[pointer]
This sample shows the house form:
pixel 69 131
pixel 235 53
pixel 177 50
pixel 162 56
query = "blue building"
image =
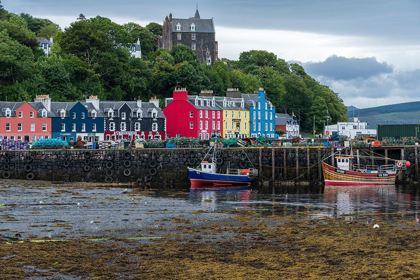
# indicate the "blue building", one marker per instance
pixel 262 114
pixel 73 119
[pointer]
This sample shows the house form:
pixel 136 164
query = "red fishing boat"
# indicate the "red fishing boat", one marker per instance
pixel 348 174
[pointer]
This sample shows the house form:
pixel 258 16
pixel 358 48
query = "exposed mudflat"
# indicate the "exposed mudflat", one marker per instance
pixel 91 232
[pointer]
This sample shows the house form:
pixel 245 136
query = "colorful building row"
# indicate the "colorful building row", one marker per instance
pixel 237 115
pixel 92 119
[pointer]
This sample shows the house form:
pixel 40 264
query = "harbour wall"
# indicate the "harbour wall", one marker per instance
pixel 168 167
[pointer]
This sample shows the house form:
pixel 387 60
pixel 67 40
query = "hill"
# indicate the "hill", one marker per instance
pixel 403 113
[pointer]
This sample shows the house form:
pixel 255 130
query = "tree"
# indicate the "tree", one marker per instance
pixel 148 40
pixel 182 53
pixel 17 30
pixel 16 60
pixel 3 13
pixel 113 31
pixel 48 31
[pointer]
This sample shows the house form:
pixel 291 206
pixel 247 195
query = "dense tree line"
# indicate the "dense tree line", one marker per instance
pixel 91 57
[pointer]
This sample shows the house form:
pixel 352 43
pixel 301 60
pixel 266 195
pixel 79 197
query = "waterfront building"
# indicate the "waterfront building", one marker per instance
pixel 24 121
pixel 262 114
pixel 197 33
pixel 73 119
pixel 133 120
pixel 349 129
pixel 289 125
pixel 235 114
pixel 192 115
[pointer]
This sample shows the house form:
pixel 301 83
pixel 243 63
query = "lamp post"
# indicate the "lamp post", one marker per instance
pixel 328 117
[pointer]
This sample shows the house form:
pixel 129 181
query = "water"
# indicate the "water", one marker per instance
pixel 77 211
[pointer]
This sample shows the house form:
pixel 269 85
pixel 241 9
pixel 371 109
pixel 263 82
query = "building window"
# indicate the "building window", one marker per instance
pixel 63 114
pixel 154 114
pixel 271 116
pixel 137 126
pixel 123 116
pixel 74 115
pixel 218 114
pixel 94 127
pixel 246 126
pixel 193 46
pixel 19 137
pixel 63 127
pixel 32 127
pixel 154 126
pixel 94 114
pixel 112 126
pixel 31 115
pixel 44 127
pixel 83 115
pixel 246 115
pixel 191 125
pixel 201 113
pixel 266 115
pixel 20 114
pixel 192 27
pixel 226 114
pixel 218 125
pixel 178 26
pixel 207 114
pixel 193 37
pixel 191 114
pixel 178 36
pixel 83 127
pixel 44 113
pixel 259 115
pixel 226 125
pixel 213 125
pixel 207 125
pixel 213 114
pixel 201 124
pixel 259 105
pixel 19 127
pixel 271 127
pixel 123 126
pixel 73 127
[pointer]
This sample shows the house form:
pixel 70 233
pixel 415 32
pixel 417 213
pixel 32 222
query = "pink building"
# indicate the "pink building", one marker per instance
pixel 24 121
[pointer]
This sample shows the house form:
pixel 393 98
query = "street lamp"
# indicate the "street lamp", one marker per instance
pixel 328 117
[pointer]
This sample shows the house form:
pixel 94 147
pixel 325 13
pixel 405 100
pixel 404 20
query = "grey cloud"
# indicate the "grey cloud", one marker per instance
pixel 382 19
pixel 342 68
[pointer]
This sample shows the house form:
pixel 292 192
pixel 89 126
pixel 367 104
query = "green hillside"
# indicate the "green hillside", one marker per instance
pixel 403 113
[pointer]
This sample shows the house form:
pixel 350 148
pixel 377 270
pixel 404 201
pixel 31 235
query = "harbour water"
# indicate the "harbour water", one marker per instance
pixel 42 210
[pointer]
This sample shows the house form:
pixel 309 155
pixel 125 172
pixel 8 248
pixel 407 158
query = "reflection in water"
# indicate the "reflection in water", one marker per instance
pixel 209 197
pixel 354 200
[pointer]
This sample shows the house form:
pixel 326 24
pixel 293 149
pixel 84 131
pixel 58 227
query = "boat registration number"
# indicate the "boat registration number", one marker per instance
pixel 383 175
pixel 340 171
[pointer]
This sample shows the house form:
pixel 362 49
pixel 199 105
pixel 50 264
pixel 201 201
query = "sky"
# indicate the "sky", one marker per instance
pixel 367 51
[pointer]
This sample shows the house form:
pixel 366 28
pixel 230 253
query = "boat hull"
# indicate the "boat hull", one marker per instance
pixel 338 177
pixel 200 179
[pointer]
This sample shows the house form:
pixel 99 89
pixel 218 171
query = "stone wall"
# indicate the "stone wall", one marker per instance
pixel 168 167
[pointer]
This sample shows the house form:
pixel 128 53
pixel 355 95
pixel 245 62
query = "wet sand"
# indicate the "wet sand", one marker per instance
pixel 177 241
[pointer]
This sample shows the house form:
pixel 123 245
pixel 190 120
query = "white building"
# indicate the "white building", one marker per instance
pixel 350 129
pixel 45 45
pixel 289 125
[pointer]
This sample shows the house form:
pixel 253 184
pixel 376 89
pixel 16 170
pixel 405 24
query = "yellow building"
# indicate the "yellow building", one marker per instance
pixel 235 117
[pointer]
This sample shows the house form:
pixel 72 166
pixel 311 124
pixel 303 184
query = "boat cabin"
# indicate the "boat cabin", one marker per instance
pixel 344 163
pixel 209 167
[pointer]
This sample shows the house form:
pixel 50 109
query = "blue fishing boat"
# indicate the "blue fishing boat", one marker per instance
pixel 205 175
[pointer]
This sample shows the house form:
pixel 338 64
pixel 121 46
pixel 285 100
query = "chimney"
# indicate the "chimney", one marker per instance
pixel 261 91
pixel 180 94
pixel 233 92
pixel 206 93
pixel 94 100
pixel 154 101
pixel 51 40
pixel 138 102
pixel 45 100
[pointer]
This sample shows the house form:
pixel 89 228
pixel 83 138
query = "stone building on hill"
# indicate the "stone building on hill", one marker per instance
pixel 197 33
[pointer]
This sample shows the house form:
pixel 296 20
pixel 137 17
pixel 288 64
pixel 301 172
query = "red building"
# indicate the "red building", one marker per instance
pixel 192 116
pixel 24 121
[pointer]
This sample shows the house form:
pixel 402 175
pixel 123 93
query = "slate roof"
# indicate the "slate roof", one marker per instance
pixel 201 25
pixel 11 105
pixel 42 40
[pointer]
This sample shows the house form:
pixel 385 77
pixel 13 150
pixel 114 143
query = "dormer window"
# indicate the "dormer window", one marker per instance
pixel 196 101
pixel 139 114
pixel 202 102
pixel 44 113
pixel 8 113
pixel 213 102
pixel 94 114
pixel 208 102
pixel 110 114
pixel 123 116
pixel 192 27
pixel 178 27
pixel 242 104
pixel 62 114
pixel 154 114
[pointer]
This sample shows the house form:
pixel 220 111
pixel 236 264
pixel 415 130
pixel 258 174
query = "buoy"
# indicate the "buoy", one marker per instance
pixel 399 164
pixel 407 163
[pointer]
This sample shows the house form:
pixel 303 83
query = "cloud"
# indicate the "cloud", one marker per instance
pixel 342 68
